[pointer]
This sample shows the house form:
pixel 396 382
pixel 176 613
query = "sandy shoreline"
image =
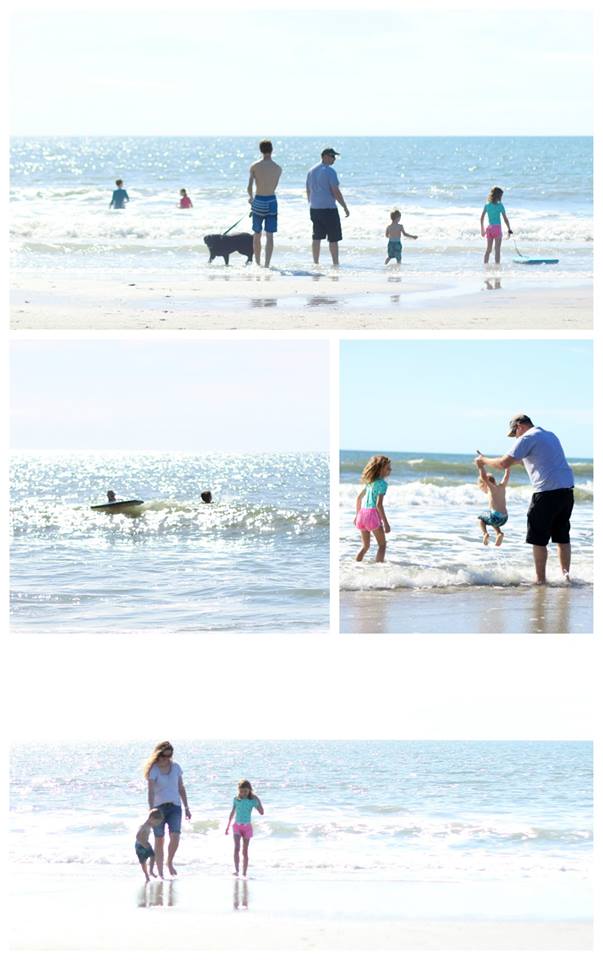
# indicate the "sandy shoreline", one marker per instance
pixel 271 301
pixel 487 609
pixel 221 913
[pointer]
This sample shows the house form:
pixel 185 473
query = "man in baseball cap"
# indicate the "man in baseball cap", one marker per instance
pixel 322 189
pixel 553 484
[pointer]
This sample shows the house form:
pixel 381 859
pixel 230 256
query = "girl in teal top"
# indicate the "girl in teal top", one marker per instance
pixel 242 806
pixel 494 210
pixel 371 518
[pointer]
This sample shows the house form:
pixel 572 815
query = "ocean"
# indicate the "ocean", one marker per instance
pixel 432 505
pixel 426 811
pixel 61 188
pixel 256 558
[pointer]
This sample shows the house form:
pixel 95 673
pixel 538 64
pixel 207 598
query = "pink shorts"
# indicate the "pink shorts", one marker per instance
pixel 494 231
pixel 368 519
pixel 243 830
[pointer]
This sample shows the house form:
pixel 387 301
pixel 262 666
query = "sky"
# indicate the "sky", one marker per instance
pixel 455 396
pixel 192 395
pixel 321 71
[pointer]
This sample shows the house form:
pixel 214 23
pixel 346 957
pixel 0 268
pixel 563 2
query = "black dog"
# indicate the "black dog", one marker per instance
pixel 222 245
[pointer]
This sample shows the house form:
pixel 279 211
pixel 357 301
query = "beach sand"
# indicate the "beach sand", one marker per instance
pixel 221 913
pixel 270 300
pixel 487 609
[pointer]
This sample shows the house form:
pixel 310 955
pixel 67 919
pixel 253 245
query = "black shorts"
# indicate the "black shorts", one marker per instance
pixel 549 517
pixel 326 223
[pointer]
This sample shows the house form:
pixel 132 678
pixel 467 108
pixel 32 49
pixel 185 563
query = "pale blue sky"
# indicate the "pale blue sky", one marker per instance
pixel 196 395
pixel 290 72
pixel 453 396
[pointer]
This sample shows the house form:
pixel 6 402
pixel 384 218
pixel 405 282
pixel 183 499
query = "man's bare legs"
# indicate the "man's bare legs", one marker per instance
pixel 333 249
pixel 237 849
pixel 485 534
pixel 366 542
pixel 172 847
pixel 564 552
pixel 269 249
pixel 380 538
pixel 257 248
pixel 540 558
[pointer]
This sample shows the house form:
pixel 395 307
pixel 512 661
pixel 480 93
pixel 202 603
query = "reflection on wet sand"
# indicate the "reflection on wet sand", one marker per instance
pixel 493 284
pixel 320 301
pixel 240 894
pixel 157 893
pixel 530 609
pixel 264 302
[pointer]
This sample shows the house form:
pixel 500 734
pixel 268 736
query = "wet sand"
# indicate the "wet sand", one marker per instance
pixel 221 913
pixel 270 301
pixel 487 609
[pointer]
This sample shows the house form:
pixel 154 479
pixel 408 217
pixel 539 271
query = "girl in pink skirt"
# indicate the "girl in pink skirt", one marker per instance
pixel 494 210
pixel 371 518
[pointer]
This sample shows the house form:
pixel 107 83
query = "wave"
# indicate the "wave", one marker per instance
pixel 401 576
pixel 161 518
pixel 436 491
pixel 436 466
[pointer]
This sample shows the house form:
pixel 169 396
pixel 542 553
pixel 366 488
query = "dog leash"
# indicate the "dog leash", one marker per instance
pixel 234 225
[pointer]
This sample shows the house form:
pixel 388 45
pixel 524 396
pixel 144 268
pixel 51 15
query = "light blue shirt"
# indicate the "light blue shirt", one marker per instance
pixel 373 491
pixel 544 460
pixel 319 181
pixel 494 211
pixel 243 807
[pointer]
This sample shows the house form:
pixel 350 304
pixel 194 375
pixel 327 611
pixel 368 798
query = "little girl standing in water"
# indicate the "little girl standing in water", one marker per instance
pixel 371 518
pixel 242 805
pixel 493 233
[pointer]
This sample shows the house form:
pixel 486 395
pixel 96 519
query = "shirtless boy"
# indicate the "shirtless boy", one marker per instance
pixel 394 233
pixel 497 515
pixel 142 846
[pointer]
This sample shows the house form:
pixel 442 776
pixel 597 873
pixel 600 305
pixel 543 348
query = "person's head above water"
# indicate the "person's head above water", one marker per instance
pixel 519 425
pixel 206 496
pixel 266 147
pixel 395 215
pixel 495 195
pixel 119 183
pixel 111 496
pixel 183 192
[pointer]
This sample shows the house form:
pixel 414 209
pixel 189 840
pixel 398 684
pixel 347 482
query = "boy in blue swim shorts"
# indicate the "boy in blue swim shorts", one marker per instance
pixel 142 845
pixel 497 515
pixel 394 233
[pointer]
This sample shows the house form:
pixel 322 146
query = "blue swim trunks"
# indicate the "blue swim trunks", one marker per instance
pixel 143 853
pixel 264 210
pixel 493 518
pixel 394 250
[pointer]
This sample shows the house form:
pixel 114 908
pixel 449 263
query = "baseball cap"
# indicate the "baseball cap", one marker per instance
pixel 330 151
pixel 515 421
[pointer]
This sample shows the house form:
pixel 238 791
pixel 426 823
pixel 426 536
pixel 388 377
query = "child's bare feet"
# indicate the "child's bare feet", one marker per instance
pixel 486 539
pixel 499 538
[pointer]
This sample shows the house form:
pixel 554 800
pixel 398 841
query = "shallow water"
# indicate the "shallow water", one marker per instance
pixel 405 810
pixel 256 557
pixel 61 187
pixel 432 505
